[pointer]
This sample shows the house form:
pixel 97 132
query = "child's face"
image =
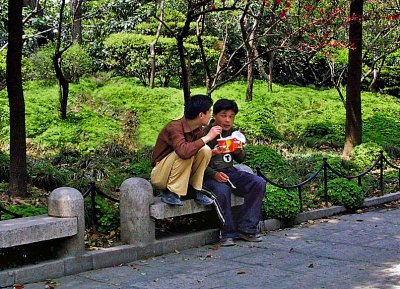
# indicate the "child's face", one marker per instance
pixel 225 118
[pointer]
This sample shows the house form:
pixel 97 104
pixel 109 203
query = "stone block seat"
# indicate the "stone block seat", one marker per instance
pixel 65 220
pixel 139 209
pixel 29 230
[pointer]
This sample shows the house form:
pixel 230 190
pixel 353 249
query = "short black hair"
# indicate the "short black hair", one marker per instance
pixel 196 104
pixel 225 104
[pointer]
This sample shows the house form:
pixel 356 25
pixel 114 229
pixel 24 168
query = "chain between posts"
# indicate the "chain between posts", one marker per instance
pixel 325 166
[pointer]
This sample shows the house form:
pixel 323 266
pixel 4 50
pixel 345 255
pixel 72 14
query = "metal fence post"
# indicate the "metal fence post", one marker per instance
pixel 300 199
pixel 325 182
pixel 381 170
pixel 93 203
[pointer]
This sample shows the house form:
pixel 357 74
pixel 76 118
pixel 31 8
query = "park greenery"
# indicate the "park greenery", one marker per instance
pixel 99 79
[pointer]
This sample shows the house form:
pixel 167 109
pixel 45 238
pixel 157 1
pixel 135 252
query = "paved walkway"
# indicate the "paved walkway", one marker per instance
pixel 350 251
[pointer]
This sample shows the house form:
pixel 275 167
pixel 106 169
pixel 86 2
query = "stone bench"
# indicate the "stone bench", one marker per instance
pixel 65 221
pixel 139 209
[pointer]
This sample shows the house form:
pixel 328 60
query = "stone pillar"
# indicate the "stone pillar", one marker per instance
pixel 67 202
pixel 137 227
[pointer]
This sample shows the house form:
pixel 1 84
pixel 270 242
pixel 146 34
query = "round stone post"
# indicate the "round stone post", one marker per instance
pixel 137 227
pixel 67 202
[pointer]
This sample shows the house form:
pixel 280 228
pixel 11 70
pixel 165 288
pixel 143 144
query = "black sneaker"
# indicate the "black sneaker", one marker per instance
pixel 171 198
pixel 202 199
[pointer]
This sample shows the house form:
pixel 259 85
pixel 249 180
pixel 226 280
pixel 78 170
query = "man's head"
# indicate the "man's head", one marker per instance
pixel 224 111
pixel 198 106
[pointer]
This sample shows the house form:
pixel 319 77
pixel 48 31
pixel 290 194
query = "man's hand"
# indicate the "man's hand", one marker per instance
pixel 217 151
pixel 221 177
pixel 212 134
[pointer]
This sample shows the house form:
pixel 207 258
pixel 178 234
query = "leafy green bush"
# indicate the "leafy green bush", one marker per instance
pixel 272 164
pixel 47 177
pixel 75 63
pixel 390 79
pixel 280 203
pixel 128 55
pixel 256 121
pixel 365 154
pixel 382 128
pixel 318 129
pixel 344 192
pixel 107 214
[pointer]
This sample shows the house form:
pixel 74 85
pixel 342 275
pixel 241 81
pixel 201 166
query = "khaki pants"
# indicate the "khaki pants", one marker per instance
pixel 175 174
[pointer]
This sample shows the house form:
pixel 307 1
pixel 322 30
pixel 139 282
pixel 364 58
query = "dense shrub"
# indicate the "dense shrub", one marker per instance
pixel 75 63
pixel 344 192
pixel 318 129
pixel 390 79
pixel 141 168
pixel 264 157
pixel 128 54
pixel 47 177
pixel 383 128
pixel 281 204
pixel 107 215
pixel 256 121
pixel 364 155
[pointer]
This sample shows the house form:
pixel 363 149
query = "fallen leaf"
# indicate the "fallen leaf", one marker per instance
pixel 311 265
pixel 309 241
pixel 177 252
pixel 241 272
pixel 360 220
pixel 311 222
pixel 215 248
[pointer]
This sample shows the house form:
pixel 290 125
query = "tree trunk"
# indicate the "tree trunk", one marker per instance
pixel 64 85
pixel 184 68
pixel 76 9
pixel 153 48
pixel 250 79
pixel 57 59
pixel 270 68
pixel 18 173
pixel 249 39
pixel 353 89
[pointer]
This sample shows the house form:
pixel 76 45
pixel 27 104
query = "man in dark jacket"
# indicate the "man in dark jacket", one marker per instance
pixel 221 176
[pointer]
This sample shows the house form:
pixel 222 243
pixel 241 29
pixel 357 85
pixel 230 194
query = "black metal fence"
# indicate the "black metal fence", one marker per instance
pixel 93 191
pixel 324 169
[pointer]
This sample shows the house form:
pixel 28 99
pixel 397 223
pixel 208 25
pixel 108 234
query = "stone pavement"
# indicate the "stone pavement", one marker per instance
pixel 350 251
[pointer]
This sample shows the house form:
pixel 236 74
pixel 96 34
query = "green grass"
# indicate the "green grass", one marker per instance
pixel 95 112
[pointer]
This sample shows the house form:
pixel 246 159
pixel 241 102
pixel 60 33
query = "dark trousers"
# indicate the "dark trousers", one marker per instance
pixel 252 188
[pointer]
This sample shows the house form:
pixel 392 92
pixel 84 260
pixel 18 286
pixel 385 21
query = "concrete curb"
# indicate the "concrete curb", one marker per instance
pixel 91 260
